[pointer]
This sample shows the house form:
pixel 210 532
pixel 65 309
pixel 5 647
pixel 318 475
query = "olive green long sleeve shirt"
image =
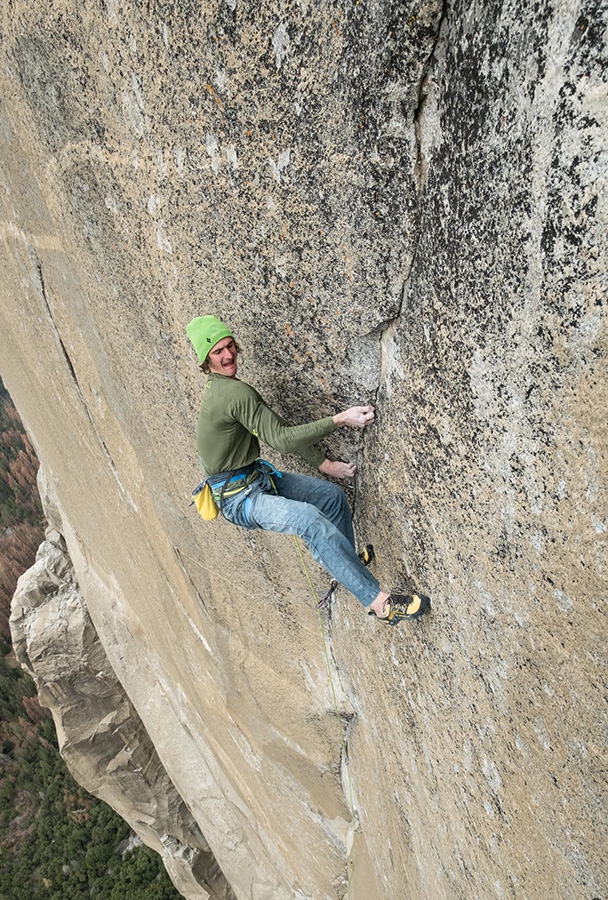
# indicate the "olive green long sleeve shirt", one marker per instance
pixel 232 418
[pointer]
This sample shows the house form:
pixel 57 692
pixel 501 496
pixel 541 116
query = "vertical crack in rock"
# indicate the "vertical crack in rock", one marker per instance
pixel 386 329
pixel 189 577
pixel 347 717
pixel 422 96
pixel 347 721
pixel 70 366
pixel 44 295
pixel 101 736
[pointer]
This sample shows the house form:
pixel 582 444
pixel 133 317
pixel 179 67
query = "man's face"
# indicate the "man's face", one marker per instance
pixel 222 358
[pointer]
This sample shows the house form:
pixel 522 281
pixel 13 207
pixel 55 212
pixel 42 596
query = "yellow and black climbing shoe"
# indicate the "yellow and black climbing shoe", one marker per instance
pixel 367 555
pixel 403 606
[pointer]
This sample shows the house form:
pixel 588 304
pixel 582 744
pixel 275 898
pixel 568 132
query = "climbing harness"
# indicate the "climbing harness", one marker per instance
pixel 209 494
pixel 227 484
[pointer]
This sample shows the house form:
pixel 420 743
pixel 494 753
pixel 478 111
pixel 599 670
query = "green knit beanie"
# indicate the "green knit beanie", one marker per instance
pixel 205 332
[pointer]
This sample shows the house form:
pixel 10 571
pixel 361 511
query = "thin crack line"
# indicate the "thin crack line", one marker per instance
pixel 72 371
pixel 383 327
pixel 422 96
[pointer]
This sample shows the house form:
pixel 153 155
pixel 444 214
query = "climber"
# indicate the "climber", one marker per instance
pixel 252 493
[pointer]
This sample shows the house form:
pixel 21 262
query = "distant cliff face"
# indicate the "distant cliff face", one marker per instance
pixel 401 203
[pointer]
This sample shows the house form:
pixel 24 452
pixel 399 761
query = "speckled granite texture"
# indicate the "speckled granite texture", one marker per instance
pixel 402 203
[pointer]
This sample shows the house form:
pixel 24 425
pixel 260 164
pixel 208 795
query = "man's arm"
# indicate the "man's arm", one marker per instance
pixel 355 417
pixel 252 412
pixel 274 430
pixel 312 454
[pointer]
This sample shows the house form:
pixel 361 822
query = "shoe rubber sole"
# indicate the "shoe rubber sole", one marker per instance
pixel 367 555
pixel 394 616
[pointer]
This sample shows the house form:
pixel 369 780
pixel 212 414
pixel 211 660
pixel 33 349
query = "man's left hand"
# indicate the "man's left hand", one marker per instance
pixel 337 469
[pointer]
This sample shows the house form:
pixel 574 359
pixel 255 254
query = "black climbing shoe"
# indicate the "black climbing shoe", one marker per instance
pixel 367 555
pixel 403 606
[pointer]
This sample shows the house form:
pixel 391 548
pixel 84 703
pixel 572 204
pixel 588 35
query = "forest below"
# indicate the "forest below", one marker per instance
pixel 57 842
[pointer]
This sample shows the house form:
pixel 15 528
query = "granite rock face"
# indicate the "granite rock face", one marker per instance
pixel 402 203
pixel 101 737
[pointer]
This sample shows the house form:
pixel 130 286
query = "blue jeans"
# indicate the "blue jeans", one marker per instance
pixel 318 512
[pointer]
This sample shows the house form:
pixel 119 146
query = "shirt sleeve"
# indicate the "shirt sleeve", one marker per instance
pixel 250 410
pixel 313 455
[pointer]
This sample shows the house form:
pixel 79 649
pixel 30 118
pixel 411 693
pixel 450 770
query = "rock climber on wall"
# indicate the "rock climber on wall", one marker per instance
pixel 251 493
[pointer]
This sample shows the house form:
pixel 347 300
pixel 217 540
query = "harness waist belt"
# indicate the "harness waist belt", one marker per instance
pixel 218 480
